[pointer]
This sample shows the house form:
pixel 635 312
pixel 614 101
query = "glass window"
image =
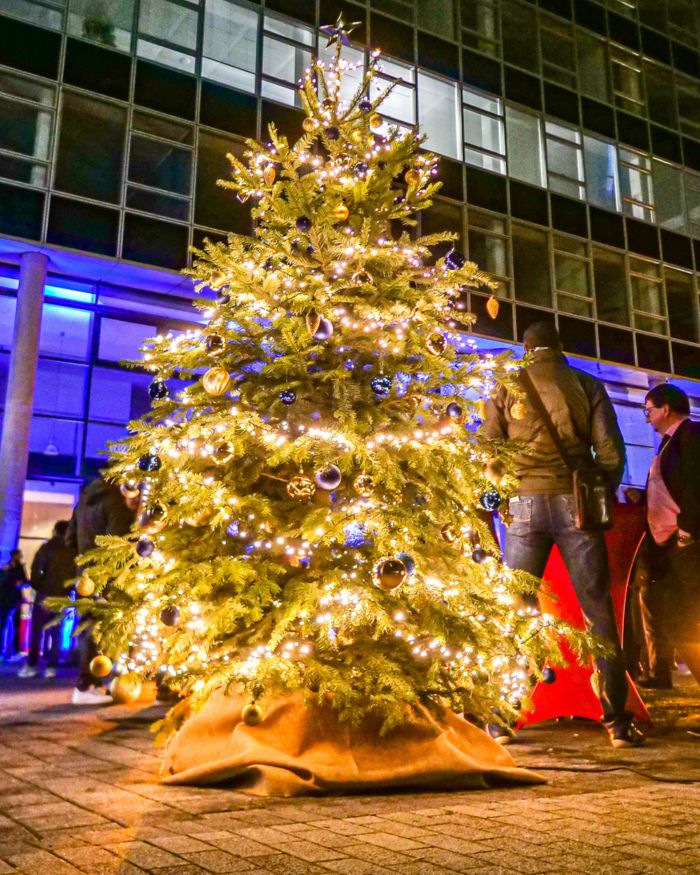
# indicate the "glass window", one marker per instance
pixel 230 44
pixel 480 26
pixel 399 106
pixel 683 23
pixel 682 304
pixel 60 388
pixel 602 182
pixel 118 395
pixel 27 89
pixel 354 72
pixel 488 247
pixel 525 149
pixel 25 131
pixel 484 136
pixel 65 332
pixel 91 165
pixel 108 22
pixel 438 114
pixel 636 185
pixel 592 67
pixel 169 21
pixel 627 80
pixel 557 39
pixel 285 58
pixel 688 93
pixel 7 323
pixel 122 341
pixel 653 13
pixel 160 165
pixel 661 94
pixel 648 304
pixel 519 30
pixel 610 286
pixel 572 276
pixel 437 16
pixel 97 438
pixel 51 436
pixel 216 207
pixel 43 15
pixel 564 160
pixel 668 196
pixel 692 202
pixel 531 266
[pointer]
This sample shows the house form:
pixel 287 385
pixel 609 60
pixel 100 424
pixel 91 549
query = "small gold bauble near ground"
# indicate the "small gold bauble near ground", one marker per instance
pixel 364 485
pixel 313 320
pixel 252 714
pixel 217 381
pixel 269 174
pixel 126 688
pixel 301 488
pixel 340 213
pixel 375 121
pixel 436 343
pixel 518 410
pixel 449 533
pixel 309 124
pixel 492 307
pixel 85 587
pixel 356 136
pixel 412 177
pixel 391 573
pixel 100 666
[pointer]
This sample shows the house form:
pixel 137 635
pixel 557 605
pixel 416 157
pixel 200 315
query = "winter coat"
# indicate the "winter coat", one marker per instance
pixel 12 579
pixel 581 412
pixel 101 510
pixel 53 565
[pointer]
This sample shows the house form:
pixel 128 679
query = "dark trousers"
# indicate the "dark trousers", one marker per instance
pixel 40 617
pixel 674 610
pixel 11 613
pixel 540 522
pixel 87 652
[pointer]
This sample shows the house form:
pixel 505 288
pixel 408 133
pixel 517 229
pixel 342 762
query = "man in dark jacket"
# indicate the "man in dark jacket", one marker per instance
pixel 544 511
pixel 53 566
pixel 13 577
pixel 102 509
pixel 671 600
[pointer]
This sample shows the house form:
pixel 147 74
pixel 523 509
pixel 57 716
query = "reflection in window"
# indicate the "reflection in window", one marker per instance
pixel 525 147
pixel 42 15
pixel 684 21
pixel 661 99
pixel 438 114
pixel 484 140
pixel 97 438
pixel 519 31
pixel 25 133
pixel 171 28
pixel 557 40
pixel 230 44
pixel 627 80
pixel 564 160
pixel 610 286
pixel 107 22
pixel 121 341
pixel 531 266
pixel 164 166
pixel 480 26
pixel 636 185
pixel 688 93
pixel 488 247
pixel 438 17
pixel 602 183
pixel 647 296
pixel 118 396
pixel 51 437
pixel 668 196
pixel 60 388
pixel 65 332
pixel 692 202
pixel 592 75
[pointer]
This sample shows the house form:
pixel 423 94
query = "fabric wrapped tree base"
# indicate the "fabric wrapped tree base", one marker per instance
pixel 299 750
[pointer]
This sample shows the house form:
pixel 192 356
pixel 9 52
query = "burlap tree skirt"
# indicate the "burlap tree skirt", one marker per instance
pixel 298 750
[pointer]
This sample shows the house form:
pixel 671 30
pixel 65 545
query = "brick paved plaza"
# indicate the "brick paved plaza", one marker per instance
pixel 79 792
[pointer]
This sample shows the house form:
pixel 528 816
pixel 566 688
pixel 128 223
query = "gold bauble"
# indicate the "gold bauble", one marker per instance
pixel 436 343
pixel 313 320
pixel 495 470
pixel 391 573
pixel 301 488
pixel 252 714
pixel 309 124
pixel 339 213
pixel 481 408
pixel 449 533
pixel 218 280
pixel 518 410
pixel 199 519
pixel 269 174
pixel 217 381
pixel 364 485
pixel 375 121
pixel 126 688
pixel 100 666
pixel 492 307
pixel 356 136
pixel 222 453
pixel 361 278
pixel 412 177
pixel 85 587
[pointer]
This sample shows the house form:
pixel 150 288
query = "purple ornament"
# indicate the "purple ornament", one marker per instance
pixel 145 547
pixel 454 260
pixel 479 555
pixel 170 616
pixel 150 462
pixel 490 500
pixel 304 223
pixel 324 330
pixel 332 133
pixel 158 390
pixel 381 386
pixel 365 104
pixel 328 478
pixel 454 410
pixel 288 396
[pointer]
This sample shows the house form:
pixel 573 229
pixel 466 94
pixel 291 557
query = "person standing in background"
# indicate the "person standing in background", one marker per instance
pixel 13 577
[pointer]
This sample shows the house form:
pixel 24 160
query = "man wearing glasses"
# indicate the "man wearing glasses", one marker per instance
pixel 671 603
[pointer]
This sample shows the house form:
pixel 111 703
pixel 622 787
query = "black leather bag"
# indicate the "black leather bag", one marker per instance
pixel 592 492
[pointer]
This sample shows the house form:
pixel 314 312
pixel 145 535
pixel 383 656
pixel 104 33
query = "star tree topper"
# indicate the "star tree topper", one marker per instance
pixel 340 32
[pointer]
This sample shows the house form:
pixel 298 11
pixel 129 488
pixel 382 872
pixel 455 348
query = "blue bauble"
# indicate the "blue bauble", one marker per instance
pixel 454 410
pixel 288 396
pixel 454 260
pixel 150 462
pixel 354 535
pixel 490 500
pixel 158 390
pixel 479 555
pixel 548 675
pixel 328 478
pixel 145 547
pixel 361 168
pixel 365 104
pixel 332 133
pixel 408 561
pixel 324 330
pixel 233 529
pixel 381 385
pixel 304 223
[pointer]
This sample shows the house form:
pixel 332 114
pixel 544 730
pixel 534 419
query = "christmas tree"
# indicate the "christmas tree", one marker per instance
pixel 313 504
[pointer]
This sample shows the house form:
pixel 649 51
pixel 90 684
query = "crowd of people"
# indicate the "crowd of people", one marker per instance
pixel 570 423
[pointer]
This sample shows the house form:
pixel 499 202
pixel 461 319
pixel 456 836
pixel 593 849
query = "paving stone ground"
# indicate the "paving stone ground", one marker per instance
pixel 79 793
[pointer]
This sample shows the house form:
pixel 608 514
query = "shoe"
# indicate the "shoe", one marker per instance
pixel 16 657
pixel 91 696
pixel 49 672
pixel 655 683
pixel 626 735
pixel 27 671
pixel 500 734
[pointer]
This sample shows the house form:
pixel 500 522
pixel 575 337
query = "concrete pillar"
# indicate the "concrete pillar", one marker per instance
pixel 14 444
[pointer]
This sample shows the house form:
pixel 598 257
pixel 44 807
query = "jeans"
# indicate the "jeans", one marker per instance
pixel 541 521
pixel 40 617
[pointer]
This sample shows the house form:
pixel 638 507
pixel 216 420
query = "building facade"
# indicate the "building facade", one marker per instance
pixel 569 132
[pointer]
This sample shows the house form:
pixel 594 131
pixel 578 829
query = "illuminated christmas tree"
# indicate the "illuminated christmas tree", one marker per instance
pixel 313 504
